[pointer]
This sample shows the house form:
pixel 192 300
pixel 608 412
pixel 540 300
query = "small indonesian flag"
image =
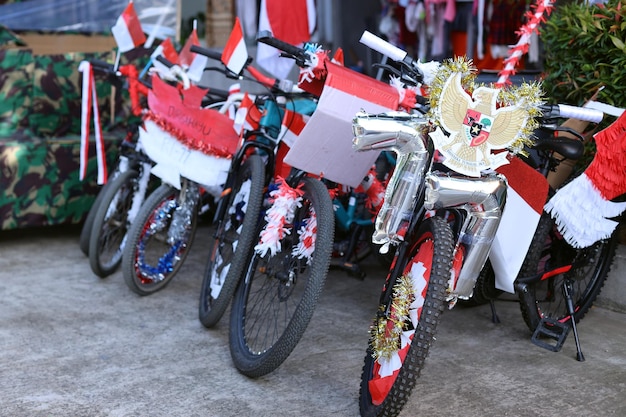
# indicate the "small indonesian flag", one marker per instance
pixel 186 56
pixel 582 209
pixel 167 50
pixel 127 30
pixel 192 62
pixel 248 115
pixel 292 21
pixel 235 54
pixel 526 194
pixel 292 125
pixel 89 101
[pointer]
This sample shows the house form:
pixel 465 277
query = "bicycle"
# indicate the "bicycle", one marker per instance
pixel 440 215
pixel 239 207
pixel 561 278
pixel 119 200
pixel 278 292
pixel 183 144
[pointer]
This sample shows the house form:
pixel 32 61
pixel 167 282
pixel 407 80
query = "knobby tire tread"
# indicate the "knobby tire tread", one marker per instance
pixel 255 366
pixel 434 305
pixel 210 315
pixel 99 220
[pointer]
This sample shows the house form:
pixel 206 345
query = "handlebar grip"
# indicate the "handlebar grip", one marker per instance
pixel 164 61
pixel 102 66
pixel 206 52
pixel 581 113
pixel 218 92
pixel 266 37
pixel 573 112
pixel 380 45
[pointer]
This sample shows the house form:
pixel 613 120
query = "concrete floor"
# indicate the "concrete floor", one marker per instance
pixel 72 344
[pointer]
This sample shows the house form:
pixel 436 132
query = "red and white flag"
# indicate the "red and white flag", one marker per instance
pixel 526 194
pixel 292 21
pixel 127 30
pixel 192 62
pixel 235 53
pixel 248 116
pixel 89 102
pixel 186 56
pixel 583 209
pixel 292 125
pixel 166 50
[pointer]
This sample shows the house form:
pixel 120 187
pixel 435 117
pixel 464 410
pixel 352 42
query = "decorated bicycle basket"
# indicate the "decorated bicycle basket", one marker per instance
pixel 324 146
pixel 185 140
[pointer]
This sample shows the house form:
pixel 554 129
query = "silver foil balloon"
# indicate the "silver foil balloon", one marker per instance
pixel 407 136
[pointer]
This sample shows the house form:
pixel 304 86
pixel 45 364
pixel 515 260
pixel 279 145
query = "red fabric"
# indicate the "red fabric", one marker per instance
pixel 133 24
pixel 607 171
pixel 289 20
pixel 528 183
pixel 186 56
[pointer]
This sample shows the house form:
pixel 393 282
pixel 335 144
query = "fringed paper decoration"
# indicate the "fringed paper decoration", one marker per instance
pixel 306 244
pixel 392 334
pixel 582 209
pixel 285 200
pixel 373 189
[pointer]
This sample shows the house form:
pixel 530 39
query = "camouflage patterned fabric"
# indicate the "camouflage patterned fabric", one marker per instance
pixel 40 99
pixel 8 39
pixel 40 183
pixel 16 86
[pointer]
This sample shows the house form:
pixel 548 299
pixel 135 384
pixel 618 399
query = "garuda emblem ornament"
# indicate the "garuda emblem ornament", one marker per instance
pixel 475 127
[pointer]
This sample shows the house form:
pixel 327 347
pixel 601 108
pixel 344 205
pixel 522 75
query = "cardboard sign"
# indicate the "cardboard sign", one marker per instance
pixel 324 147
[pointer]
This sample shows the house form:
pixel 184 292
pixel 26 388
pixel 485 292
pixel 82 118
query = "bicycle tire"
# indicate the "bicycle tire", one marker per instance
pixel 110 224
pixel 149 261
pixel 590 271
pixel 291 286
pixel 85 231
pixel 431 255
pixel 233 241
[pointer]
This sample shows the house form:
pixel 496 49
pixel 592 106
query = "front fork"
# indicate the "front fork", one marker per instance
pixel 182 217
pixel 483 199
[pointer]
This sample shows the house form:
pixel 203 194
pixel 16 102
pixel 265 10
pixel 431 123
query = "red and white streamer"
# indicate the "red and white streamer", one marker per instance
pixel 285 200
pixel 306 243
pixel 90 101
pixel 534 18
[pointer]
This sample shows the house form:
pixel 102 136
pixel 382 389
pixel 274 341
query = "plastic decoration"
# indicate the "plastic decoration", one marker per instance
pixel 582 209
pixel 284 200
pixel 533 18
pixel 479 119
pixel 306 244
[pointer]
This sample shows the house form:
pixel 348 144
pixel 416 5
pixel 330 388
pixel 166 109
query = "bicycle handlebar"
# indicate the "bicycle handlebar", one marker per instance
pixel 393 52
pixel 299 54
pixel 572 112
pixel 206 52
pixel 382 46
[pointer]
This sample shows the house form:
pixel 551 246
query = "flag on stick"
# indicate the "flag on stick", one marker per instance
pixel 235 53
pixel 127 30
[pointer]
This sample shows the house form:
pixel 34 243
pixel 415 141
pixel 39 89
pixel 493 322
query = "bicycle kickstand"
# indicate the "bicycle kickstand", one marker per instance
pixel 567 291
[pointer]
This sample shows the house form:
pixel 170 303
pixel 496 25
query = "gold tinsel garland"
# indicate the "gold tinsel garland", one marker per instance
pixel 527 95
pixel 387 330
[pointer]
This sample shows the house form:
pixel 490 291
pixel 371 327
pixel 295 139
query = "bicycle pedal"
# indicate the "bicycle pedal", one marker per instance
pixel 549 328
